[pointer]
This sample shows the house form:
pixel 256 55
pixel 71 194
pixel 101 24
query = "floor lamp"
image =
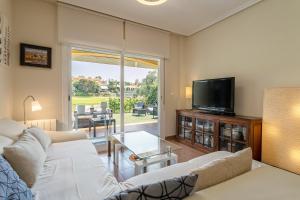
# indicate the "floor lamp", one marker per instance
pixel 35 106
pixel 281 125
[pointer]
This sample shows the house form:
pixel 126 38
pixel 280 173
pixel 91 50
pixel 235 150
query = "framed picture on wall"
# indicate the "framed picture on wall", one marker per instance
pixel 35 56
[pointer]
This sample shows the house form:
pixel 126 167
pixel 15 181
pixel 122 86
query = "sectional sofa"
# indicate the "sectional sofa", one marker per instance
pixel 73 170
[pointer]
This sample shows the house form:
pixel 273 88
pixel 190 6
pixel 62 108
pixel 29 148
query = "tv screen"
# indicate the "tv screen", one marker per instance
pixel 215 95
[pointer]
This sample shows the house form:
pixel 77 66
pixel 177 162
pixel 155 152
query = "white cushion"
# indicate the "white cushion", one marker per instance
pixel 27 157
pixel 4 141
pixel 223 169
pixel 74 171
pixel 11 129
pixel 41 136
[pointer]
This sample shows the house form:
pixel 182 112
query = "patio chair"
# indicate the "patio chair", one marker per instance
pixel 153 110
pixel 103 106
pixel 80 109
pixel 139 109
pixel 82 117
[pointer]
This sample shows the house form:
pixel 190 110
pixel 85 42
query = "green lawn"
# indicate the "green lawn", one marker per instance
pixel 88 100
pixel 97 100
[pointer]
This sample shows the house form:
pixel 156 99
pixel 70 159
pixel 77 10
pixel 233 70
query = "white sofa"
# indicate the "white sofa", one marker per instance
pixel 74 171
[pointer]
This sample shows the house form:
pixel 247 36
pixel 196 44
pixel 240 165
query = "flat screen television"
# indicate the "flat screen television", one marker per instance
pixel 214 96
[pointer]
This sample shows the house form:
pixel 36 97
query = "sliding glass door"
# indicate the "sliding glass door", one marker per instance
pixel 125 87
pixel 141 77
pixel 95 90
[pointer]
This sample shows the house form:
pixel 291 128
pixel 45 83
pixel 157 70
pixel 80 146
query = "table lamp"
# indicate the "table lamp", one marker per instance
pixel 188 92
pixel 35 106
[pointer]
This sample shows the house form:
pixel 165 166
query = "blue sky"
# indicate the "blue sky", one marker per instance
pixel 107 71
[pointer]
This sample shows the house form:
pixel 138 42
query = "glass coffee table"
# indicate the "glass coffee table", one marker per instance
pixel 146 149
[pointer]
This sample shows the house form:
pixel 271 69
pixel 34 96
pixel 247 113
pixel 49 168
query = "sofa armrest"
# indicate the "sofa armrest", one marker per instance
pixel 65 136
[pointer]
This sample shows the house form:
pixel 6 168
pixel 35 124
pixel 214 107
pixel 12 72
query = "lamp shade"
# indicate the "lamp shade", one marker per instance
pixel 281 128
pixel 36 106
pixel 188 92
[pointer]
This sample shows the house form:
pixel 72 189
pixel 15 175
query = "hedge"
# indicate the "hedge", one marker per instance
pixel 114 104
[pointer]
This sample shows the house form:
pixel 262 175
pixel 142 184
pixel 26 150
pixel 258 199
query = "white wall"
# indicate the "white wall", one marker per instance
pixel 6 84
pixel 35 23
pixel 260 46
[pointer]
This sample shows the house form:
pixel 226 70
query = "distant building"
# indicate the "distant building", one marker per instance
pixel 131 90
pixel 103 88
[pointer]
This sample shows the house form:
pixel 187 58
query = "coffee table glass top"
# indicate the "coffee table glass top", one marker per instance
pixel 144 144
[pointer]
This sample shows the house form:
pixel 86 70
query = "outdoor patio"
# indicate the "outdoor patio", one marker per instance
pixel 151 127
pixel 96 95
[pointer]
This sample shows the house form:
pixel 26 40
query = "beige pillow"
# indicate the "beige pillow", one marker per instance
pixel 223 169
pixel 40 135
pixel 11 129
pixel 27 157
pixel 5 141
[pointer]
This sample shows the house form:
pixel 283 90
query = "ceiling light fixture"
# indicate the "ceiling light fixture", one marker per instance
pixel 152 2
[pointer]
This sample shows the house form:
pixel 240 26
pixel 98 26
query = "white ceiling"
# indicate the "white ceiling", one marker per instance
pixel 178 16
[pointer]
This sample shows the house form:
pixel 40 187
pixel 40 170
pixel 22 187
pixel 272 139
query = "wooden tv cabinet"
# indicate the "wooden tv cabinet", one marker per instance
pixel 209 133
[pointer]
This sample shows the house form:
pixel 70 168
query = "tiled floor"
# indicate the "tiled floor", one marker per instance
pixel 125 169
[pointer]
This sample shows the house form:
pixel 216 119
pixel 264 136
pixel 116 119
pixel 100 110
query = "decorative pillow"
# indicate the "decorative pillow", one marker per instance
pixel 27 157
pixel 119 196
pixel 11 129
pixel 11 186
pixel 40 135
pixel 177 188
pixel 221 170
pixel 5 141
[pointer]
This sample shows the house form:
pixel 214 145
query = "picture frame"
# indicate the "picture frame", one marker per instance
pixel 35 56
